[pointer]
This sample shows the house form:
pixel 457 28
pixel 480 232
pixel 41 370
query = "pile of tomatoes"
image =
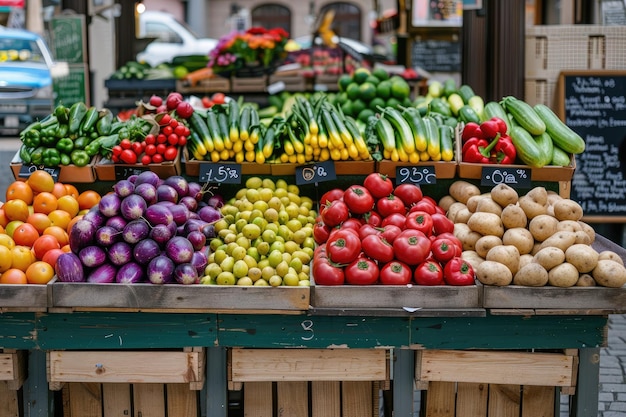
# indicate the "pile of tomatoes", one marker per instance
pixel 375 233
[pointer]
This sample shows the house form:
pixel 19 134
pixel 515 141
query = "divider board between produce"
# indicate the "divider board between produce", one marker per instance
pixel 24 297
pixel 107 170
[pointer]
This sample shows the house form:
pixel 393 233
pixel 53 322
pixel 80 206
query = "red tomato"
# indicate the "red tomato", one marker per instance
pixel 408 193
pixel 167 130
pixel 335 213
pixel 331 195
pixel 424 205
pixel 397 219
pixel 420 220
pixel 325 273
pixel 358 199
pixel 136 147
pixel 411 247
pixel 146 159
pixel 379 185
pixel 343 246
pixel 458 272
pixel 218 98
pixel 128 156
pixel 362 271
pixel 377 248
pixel 352 223
pixel 373 218
pixel 390 232
pixel 442 224
pixel 443 249
pixel 390 204
pixel 320 232
pixel 395 273
pixel 428 272
pixel 170 153
pixel 366 230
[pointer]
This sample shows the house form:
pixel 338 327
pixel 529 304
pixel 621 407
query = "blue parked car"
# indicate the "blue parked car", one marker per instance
pixel 26 92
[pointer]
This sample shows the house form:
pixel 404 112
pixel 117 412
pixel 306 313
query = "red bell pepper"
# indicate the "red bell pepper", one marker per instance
pixel 505 151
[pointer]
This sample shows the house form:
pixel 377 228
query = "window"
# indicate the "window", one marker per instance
pixel 347 22
pixel 271 16
pixel 162 32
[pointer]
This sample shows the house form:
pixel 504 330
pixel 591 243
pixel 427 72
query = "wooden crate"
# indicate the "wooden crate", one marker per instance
pixel 13 371
pixel 92 399
pixel 186 366
pixel 494 383
pixel 248 84
pixel 23 297
pixel 309 382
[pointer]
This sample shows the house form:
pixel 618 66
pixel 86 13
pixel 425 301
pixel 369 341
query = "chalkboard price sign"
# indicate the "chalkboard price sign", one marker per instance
pixel 436 55
pixel 594 106
pixel 513 177
pixel 418 175
pixel 68 38
pixel 313 173
pixel 220 173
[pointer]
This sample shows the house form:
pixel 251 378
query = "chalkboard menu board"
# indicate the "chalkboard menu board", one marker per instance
pixel 436 55
pixel 68 38
pixel 594 106
pixel 74 87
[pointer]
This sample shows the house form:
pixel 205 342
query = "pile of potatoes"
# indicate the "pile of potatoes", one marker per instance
pixel 534 239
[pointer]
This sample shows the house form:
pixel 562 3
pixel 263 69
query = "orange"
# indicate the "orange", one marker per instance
pixel 7 241
pixel 14 224
pixel 43 244
pixel 45 202
pixel 69 204
pixel 39 272
pixel 59 190
pixel 4 220
pixel 74 220
pixel 52 255
pixel 62 236
pixel 6 259
pixel 20 190
pixel 66 248
pixel 13 276
pixel 40 221
pixel 22 257
pixel 71 190
pixel 60 218
pixel 16 210
pixel 41 181
pixel 87 199
pixel 25 234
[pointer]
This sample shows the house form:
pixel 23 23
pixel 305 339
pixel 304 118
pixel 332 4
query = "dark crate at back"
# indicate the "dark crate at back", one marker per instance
pixel 595 108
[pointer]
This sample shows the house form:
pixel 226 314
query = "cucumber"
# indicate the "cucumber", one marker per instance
pixel 544 141
pixel 467 115
pixel 528 150
pixel 437 105
pixel 432 138
pixel 561 134
pixel 466 92
pixel 524 115
pixel 560 157
pixel 455 102
pixel 445 138
pixel 494 109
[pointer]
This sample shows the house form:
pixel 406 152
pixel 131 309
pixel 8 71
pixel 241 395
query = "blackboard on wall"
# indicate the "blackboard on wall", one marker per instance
pixel 68 38
pixel 74 87
pixel 593 104
pixel 436 55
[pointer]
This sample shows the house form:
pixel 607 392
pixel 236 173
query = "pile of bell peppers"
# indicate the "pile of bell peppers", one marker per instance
pixel 487 143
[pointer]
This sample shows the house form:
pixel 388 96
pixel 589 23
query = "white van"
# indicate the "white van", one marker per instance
pixel 173 38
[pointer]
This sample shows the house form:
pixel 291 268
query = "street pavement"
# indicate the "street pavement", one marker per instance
pixel 612 388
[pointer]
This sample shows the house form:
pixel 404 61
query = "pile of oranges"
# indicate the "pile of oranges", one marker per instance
pixel 35 221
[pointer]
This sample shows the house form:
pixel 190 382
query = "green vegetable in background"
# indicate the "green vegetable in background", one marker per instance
pixel 51 157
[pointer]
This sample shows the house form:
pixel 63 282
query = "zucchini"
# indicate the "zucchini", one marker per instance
pixel 524 115
pixel 214 131
pixel 560 157
pixel 402 128
pixel 561 134
pixel 494 109
pixel 244 122
pixel 528 150
pixel 466 92
pixel 544 141
pixel 413 117
pixel 433 138
pixel 449 87
pixel 233 120
pixel 445 135
pixel 467 115
pixel 455 101
pixel 199 126
pixel 437 105
pixel 385 134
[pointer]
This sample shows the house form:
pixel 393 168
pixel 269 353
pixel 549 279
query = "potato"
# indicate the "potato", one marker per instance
pixel 507 255
pixel 610 255
pixel 561 240
pixel 493 273
pixel 485 243
pixel 519 237
pixel 463 215
pixel 542 227
pixel 582 237
pixel 531 275
pixel 539 195
pixel 525 259
pixel 486 224
pixel 473 258
pixel 454 209
pixel 446 201
pixel 609 274
pixel 589 230
pixel 504 195
pixel 585 280
pixel 487 205
pixel 535 202
pixel 513 216
pixel 549 257
pixel 553 197
pixel 467 237
pixel 564 275
pixel 566 209
pixel 569 225
pixel 463 190
pixel 472 202
pixel 582 256
pixel 536 248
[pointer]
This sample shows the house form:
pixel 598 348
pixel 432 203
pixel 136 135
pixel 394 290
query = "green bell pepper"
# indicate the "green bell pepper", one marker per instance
pixel 81 141
pixel 51 157
pixel 31 138
pixel 65 159
pixel 80 158
pixel 25 153
pixel 36 156
pixel 65 145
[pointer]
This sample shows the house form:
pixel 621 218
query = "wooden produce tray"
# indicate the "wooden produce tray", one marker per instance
pixel 178 298
pixel 106 170
pixel 13 368
pixel 292 81
pixel 590 300
pixel 185 366
pixel 23 297
pixel 205 86
pixel 248 84
pixel 66 173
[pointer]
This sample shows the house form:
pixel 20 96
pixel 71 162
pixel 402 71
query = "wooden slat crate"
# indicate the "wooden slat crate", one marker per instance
pixel 184 367
pixel 478 383
pixel 91 399
pixel 309 382
pixel 13 370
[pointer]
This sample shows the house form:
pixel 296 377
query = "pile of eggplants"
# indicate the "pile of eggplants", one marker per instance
pixel 147 230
